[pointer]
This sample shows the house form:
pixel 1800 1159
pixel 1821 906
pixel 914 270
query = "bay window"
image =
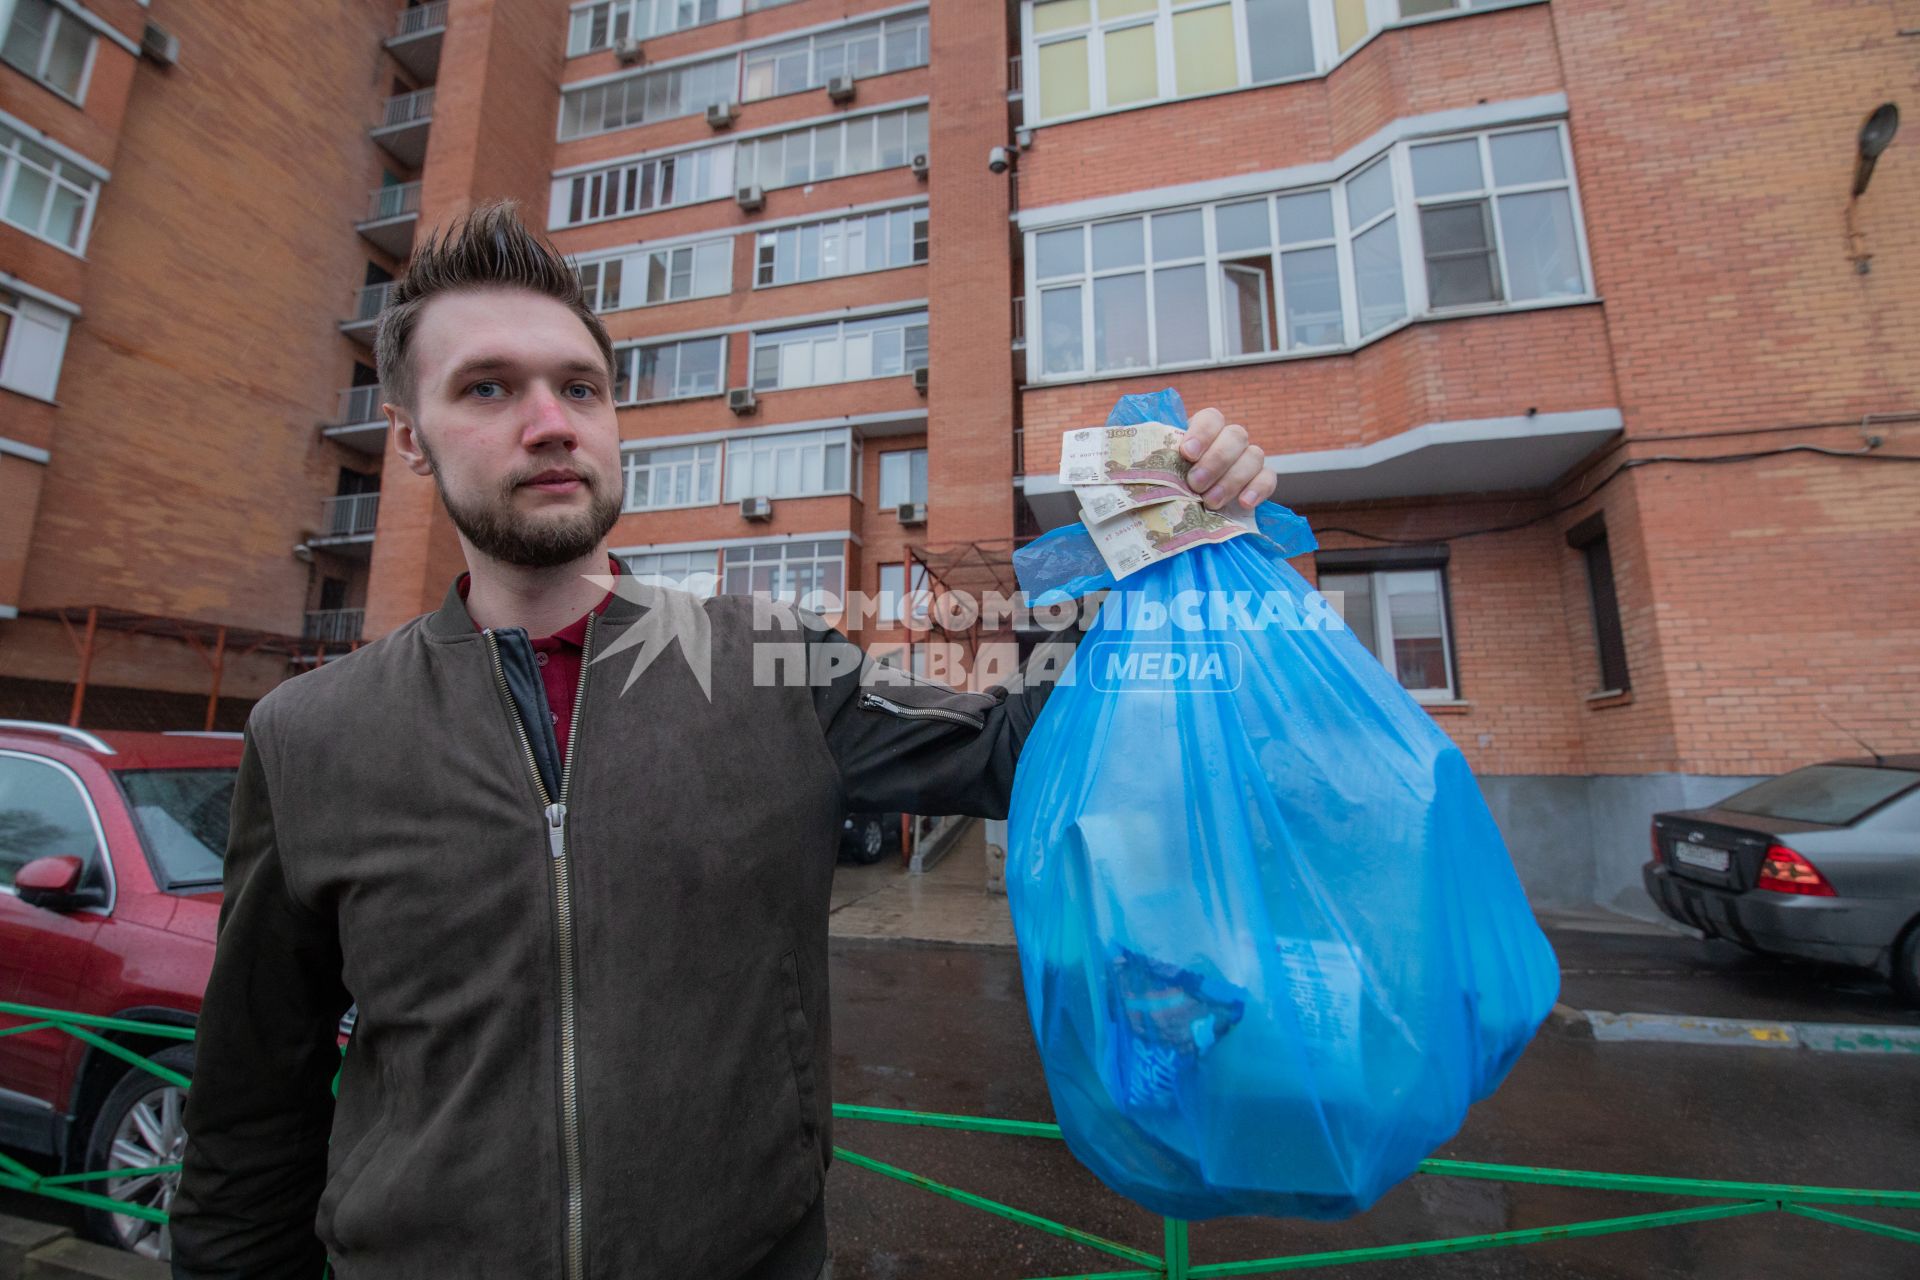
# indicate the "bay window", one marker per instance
pixel 691 571
pixel 605 23
pixel 677 476
pixel 869 49
pixel 836 149
pixel 648 96
pixel 1494 215
pixel 639 186
pixel 793 464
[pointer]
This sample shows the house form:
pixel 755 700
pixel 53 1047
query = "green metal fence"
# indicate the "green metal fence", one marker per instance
pixel 1174 1261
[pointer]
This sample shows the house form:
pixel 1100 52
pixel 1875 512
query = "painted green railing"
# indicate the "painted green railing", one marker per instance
pixel 1174 1262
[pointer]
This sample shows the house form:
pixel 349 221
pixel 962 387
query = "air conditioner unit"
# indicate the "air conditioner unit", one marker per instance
pixel 840 89
pixel 628 52
pixel 912 512
pixel 752 199
pixel 920 380
pixel 159 44
pixel 741 400
pixel 756 508
pixel 919 165
pixel 721 115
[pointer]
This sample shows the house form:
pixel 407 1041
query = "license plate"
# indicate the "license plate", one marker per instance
pixel 1706 857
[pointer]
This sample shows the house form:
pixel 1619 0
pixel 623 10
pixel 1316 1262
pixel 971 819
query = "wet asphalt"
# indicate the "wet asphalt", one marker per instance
pixel 944 1028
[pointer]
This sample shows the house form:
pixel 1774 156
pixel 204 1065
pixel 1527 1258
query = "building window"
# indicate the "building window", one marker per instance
pixel 646 97
pixel 44 195
pixel 1496 218
pixel 640 186
pixel 883 140
pixel 690 571
pixel 669 370
pixel 682 476
pixel 903 477
pixel 33 340
pixel 646 277
pixel 1312 269
pixel 894 606
pixel 1100 55
pixel 871 49
pixel 842 247
pixel 1589 538
pixel 1398 610
pixel 786 570
pixel 845 351
pixel 604 24
pixel 797 464
pixel 51 45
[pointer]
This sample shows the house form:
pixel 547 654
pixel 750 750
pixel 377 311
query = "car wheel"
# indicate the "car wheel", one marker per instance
pixel 140 1124
pixel 1906 964
pixel 869 841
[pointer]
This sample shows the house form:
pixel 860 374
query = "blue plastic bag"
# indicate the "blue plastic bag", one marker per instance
pixel 1272 941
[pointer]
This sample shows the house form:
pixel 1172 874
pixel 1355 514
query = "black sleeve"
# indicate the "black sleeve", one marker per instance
pixel 910 745
pixel 261 1106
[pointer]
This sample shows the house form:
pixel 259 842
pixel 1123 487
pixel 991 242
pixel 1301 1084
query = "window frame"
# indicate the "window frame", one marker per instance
pixel 27 316
pixel 1402 209
pixel 704 451
pixel 13 158
pixel 724 10
pixel 882 28
pixel 1375 567
pixel 736 482
pixel 101 862
pixel 629 351
pixel 1589 538
pixel 784 547
pixel 38 75
pixel 917 244
pixel 764 339
pixel 1380 15
pixel 636 261
pixel 909 455
pixel 712 570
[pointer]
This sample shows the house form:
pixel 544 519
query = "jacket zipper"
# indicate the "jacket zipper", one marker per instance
pixel 555 812
pixel 875 702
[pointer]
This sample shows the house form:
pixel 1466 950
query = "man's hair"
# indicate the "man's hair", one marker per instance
pixel 489 248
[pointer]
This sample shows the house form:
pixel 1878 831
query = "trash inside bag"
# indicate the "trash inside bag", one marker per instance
pixel 1272 941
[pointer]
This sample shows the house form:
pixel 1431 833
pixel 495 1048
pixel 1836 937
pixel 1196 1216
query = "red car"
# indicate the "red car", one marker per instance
pixel 110 857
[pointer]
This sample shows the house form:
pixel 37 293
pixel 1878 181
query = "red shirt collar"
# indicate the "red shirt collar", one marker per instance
pixel 574 633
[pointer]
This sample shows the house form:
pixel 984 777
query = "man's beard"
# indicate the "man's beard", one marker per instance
pixel 500 532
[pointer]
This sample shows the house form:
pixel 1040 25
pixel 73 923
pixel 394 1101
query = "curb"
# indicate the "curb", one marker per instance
pixel 1816 1037
pixel 32 1250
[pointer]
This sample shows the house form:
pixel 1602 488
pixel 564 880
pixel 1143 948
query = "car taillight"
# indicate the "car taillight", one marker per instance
pixel 1785 871
pixel 1653 833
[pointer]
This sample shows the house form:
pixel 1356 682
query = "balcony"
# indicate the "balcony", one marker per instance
pixel 333 626
pixel 402 131
pixel 360 424
pixel 346 525
pixel 416 41
pixel 369 302
pixel 392 214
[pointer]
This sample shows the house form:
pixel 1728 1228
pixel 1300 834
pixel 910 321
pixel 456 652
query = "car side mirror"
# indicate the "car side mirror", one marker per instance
pixel 54 884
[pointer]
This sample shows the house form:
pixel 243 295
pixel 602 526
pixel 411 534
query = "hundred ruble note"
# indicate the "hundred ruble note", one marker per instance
pixel 1148 452
pixel 1135 539
pixel 1104 501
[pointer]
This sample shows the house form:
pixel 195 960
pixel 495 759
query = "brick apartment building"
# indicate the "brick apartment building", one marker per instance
pixel 1558 317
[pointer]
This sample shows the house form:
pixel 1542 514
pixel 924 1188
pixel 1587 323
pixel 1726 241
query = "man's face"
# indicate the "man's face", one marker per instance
pixel 515 423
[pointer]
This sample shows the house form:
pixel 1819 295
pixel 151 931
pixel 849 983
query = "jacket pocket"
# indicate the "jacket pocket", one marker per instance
pixel 930 702
pixel 800 1052
pixel 335 1199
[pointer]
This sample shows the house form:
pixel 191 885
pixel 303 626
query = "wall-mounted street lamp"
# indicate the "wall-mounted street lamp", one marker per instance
pixel 1875 135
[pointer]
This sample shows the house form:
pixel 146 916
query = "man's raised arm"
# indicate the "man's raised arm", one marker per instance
pixel 265 1054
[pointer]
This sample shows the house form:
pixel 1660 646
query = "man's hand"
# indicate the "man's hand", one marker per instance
pixel 1224 464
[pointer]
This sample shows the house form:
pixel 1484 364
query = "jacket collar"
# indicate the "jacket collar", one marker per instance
pixel 451 622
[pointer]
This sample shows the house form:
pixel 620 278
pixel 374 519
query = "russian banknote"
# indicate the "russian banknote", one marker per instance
pixel 1135 539
pixel 1104 501
pixel 1147 453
